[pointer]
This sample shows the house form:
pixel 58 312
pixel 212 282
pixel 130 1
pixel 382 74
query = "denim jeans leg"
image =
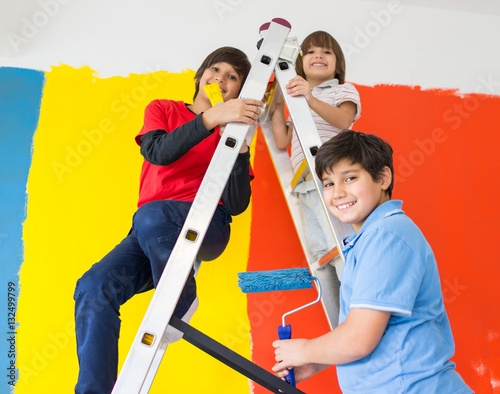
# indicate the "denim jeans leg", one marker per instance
pixel 157 226
pixel 98 296
pixel 129 269
pixel 217 236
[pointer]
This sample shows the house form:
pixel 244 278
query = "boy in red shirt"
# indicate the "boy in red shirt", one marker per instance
pixel 177 141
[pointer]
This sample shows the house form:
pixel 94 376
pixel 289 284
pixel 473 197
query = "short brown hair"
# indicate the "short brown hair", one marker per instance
pixel 230 55
pixel 322 39
pixel 370 151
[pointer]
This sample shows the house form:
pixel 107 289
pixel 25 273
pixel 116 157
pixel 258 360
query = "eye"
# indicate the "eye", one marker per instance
pixel 350 178
pixel 327 184
pixel 328 52
pixel 215 68
pixel 233 77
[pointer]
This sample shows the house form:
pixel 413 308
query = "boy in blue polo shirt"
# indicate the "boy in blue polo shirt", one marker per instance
pixel 393 334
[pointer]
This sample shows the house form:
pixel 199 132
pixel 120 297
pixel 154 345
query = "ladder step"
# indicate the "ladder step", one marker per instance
pixel 232 359
pixel 328 257
pixel 302 172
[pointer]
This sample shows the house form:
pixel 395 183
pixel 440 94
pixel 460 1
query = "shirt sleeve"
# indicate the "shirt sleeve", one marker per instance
pixel 155 118
pixel 161 148
pixel 161 145
pixel 348 92
pixel 236 194
pixel 388 274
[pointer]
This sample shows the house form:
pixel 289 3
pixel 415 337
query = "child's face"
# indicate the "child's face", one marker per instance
pixel 227 77
pixel 351 194
pixel 319 63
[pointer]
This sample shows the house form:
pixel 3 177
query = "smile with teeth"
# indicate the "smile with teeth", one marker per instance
pixel 319 65
pixel 346 205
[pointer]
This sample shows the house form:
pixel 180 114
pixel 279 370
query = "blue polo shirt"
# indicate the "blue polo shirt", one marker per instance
pixel 391 267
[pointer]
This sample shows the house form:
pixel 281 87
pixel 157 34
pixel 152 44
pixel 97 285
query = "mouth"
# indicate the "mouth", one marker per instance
pixel 222 90
pixel 318 64
pixel 346 205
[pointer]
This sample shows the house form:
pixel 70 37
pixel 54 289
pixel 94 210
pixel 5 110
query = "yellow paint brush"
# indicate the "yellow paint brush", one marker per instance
pixel 214 94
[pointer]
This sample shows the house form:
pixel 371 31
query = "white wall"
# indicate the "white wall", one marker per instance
pixel 438 44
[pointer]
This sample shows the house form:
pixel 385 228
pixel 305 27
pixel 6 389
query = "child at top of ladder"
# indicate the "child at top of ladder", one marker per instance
pixel 335 106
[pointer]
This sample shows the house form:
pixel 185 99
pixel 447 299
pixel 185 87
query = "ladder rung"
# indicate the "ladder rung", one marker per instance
pixel 302 171
pixel 328 257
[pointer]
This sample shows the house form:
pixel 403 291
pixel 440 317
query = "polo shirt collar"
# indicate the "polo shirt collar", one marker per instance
pixel 328 84
pixel 388 208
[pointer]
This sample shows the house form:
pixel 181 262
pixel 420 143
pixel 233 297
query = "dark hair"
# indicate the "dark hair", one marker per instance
pixel 372 152
pixel 230 55
pixel 323 40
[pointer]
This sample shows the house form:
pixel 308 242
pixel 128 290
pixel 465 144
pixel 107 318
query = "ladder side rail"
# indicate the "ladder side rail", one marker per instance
pixel 155 364
pixel 309 142
pixel 284 171
pixel 283 168
pixel 251 133
pixel 200 215
pixel 138 366
pixel 141 360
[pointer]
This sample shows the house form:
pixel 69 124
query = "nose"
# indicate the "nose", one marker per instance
pixel 338 192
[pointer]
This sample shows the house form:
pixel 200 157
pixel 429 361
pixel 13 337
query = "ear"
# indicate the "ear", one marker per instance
pixel 385 178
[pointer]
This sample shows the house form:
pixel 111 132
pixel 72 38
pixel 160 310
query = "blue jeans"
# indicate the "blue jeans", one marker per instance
pixel 133 266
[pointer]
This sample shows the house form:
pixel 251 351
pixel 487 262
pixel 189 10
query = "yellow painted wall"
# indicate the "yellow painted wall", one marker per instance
pixel 82 193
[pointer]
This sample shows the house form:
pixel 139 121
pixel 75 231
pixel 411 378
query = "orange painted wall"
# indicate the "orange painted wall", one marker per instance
pixel 445 155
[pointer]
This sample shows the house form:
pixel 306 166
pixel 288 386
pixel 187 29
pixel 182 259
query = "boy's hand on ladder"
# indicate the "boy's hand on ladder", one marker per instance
pixel 235 110
pixel 298 86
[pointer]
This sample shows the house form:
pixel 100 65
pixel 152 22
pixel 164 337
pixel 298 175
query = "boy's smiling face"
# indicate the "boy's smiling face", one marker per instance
pixel 351 194
pixel 226 76
pixel 319 63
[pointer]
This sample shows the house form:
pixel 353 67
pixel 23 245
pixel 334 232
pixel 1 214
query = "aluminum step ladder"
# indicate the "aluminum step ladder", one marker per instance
pixel 276 54
pixel 146 352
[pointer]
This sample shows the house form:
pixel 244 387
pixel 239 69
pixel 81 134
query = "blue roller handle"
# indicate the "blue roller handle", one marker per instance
pixel 285 332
